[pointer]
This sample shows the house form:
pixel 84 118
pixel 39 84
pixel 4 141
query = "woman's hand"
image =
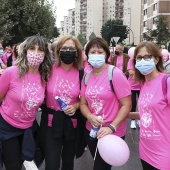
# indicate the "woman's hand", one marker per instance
pixel 95 121
pixel 103 132
pixel 1 71
pixel 70 110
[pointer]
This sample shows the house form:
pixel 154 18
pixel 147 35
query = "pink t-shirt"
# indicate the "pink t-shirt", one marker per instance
pixel 101 99
pixel 64 84
pixel 119 63
pixel 154 124
pixel 23 96
pixel 134 84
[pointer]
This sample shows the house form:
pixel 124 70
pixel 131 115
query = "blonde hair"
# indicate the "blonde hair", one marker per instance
pixel 79 60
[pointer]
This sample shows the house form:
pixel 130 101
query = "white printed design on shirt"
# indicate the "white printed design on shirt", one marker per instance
pixel 97 103
pixel 147 119
pixel 64 87
pixel 29 92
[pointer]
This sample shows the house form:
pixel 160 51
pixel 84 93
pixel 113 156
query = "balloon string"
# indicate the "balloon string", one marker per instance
pixel 98 140
pixel 130 132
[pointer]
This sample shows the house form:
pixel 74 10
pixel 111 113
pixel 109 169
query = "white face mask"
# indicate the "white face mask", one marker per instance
pixel 96 60
pixel 35 59
pixel 111 50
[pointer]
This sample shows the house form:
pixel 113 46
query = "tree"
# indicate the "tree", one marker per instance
pixel 114 28
pixel 92 35
pixel 82 39
pixel 162 32
pixel 20 19
pixel 55 33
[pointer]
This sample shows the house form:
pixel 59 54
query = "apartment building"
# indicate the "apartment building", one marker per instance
pixel 90 15
pixel 151 9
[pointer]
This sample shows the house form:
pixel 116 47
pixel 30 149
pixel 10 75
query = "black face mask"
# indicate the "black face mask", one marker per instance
pixel 117 53
pixel 67 57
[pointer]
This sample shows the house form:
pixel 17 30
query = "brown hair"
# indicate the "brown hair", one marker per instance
pixel 79 61
pixel 100 43
pixel 152 49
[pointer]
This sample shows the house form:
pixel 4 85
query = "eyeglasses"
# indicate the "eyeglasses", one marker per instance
pixel 145 57
pixel 65 48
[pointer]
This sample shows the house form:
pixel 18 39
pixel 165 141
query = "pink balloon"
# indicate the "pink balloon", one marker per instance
pixel 131 52
pixel 164 52
pixel 113 150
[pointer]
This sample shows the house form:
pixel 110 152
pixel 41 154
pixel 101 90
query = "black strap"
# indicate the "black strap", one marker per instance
pixel 81 74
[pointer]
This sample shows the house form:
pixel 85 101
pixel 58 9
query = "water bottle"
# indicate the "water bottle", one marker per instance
pixel 94 130
pixel 62 104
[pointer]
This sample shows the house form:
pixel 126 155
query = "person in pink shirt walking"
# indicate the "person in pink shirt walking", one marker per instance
pixel 120 59
pixel 98 99
pixel 22 92
pixel 153 106
pixel 61 125
pixel 135 86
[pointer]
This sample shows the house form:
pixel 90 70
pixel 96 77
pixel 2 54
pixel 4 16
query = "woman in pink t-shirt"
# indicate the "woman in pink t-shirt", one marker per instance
pixel 98 99
pixel 153 106
pixel 60 125
pixel 22 91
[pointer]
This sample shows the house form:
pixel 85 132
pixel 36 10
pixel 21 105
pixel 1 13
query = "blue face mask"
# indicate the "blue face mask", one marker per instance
pixel 1 52
pixel 96 60
pixel 145 67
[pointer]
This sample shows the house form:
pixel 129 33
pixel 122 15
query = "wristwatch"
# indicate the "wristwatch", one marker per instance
pixel 112 127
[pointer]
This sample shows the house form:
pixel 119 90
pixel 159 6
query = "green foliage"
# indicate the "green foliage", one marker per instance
pixel 55 33
pixel 162 32
pixel 22 18
pixel 81 39
pixel 114 28
pixel 72 33
pixel 92 35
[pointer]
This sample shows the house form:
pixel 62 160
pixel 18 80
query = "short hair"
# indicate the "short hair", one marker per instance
pixel 22 62
pixel 121 46
pixel 100 43
pixel 79 61
pixel 152 49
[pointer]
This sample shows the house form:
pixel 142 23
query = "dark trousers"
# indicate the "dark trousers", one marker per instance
pixel 56 148
pixel 11 153
pixel 147 166
pixel 135 93
pixel 99 163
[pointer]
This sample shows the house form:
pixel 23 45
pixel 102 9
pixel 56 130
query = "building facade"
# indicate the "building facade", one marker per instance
pixel 151 9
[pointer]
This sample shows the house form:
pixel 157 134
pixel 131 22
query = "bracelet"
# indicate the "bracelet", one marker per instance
pixel 112 127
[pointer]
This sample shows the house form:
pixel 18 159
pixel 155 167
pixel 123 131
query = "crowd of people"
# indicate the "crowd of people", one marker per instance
pixel 34 72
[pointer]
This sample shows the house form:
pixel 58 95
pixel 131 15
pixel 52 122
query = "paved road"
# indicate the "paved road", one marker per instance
pixel 132 139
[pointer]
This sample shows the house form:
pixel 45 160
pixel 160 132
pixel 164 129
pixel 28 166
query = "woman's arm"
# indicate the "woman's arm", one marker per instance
pixel 133 115
pixel 126 105
pixel 1 97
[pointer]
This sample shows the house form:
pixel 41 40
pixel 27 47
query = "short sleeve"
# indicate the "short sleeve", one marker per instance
pixel 5 80
pixel 168 91
pixel 130 64
pixel 120 84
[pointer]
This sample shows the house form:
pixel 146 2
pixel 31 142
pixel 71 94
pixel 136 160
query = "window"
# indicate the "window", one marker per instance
pixel 145 24
pixel 155 7
pixel 145 12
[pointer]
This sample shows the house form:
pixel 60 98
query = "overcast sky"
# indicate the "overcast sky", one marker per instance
pixel 62 9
